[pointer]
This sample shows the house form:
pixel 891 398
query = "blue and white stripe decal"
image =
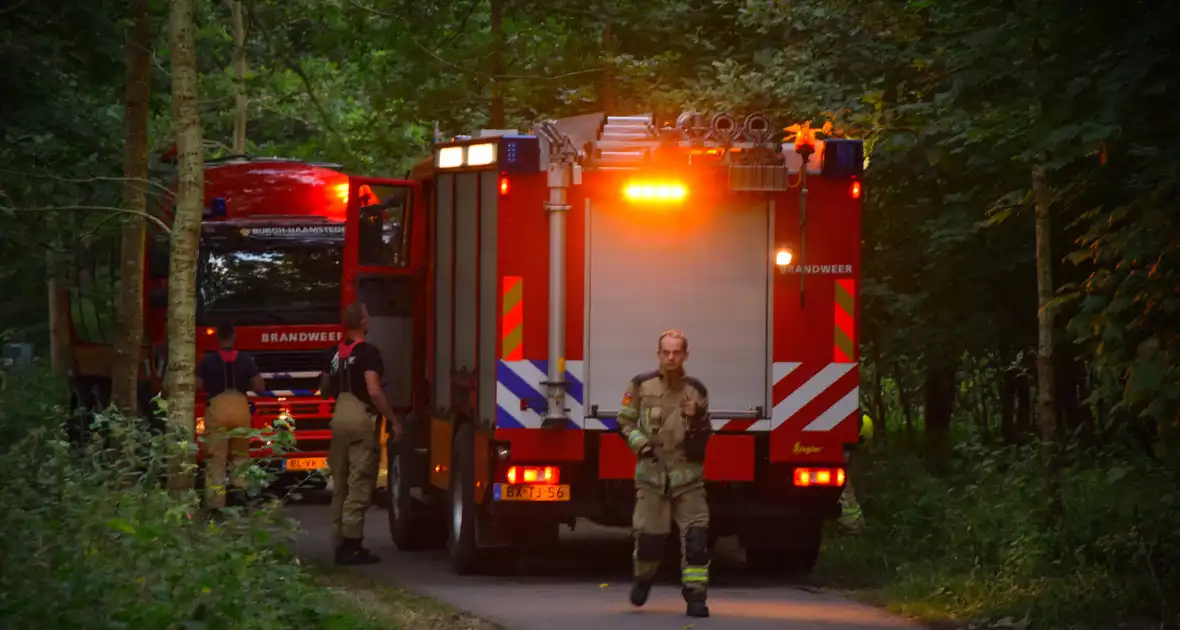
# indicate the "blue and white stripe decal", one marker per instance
pixel 518 384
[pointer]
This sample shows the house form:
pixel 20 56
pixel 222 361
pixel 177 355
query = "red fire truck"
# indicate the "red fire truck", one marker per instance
pixel 283 245
pixel 556 259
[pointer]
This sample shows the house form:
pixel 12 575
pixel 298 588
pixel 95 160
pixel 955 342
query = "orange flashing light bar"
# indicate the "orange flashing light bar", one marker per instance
pixel 533 474
pixel 805 477
pixel 655 192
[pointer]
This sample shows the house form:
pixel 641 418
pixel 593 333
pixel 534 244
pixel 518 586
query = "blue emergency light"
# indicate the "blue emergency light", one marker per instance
pixel 520 154
pixel 216 209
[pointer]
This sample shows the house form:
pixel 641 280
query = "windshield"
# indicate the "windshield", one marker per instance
pixel 282 282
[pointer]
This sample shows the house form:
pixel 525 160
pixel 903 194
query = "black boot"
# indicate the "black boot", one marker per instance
pixel 639 592
pixel 352 553
pixel 696 604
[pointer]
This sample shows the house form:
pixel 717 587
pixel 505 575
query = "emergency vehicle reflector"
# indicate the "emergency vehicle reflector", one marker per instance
pixel 844 346
pixel 513 319
pixel 658 192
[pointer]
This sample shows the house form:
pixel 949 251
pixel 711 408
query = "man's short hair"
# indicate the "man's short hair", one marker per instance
pixel 354 316
pixel 674 333
pixel 225 332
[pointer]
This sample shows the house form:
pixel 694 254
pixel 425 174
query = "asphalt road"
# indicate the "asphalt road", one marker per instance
pixel 583 585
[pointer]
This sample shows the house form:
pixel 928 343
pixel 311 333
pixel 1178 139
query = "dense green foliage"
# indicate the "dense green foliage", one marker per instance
pixel 957 101
pixel 971 543
pixel 102 544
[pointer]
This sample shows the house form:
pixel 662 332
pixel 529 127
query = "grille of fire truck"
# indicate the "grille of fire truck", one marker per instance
pixel 291 369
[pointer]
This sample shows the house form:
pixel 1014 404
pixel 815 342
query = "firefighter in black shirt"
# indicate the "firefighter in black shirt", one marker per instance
pixel 353 377
pixel 226 376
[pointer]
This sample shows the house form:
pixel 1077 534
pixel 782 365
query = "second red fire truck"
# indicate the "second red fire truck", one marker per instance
pixel 284 245
pixel 544 267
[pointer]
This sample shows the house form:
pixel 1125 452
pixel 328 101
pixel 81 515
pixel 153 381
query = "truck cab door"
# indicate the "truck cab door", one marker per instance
pixel 383 271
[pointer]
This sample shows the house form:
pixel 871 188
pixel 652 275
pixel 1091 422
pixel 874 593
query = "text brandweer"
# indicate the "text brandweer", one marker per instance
pixel 302 337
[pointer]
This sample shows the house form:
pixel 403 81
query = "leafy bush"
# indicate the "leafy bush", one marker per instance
pixel 976 542
pixel 94 540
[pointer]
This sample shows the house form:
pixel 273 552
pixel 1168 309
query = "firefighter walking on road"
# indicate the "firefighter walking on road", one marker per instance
pixel 226 376
pixel 665 420
pixel 353 378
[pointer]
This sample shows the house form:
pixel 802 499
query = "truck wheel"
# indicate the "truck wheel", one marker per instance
pixel 797 560
pixel 409 526
pixel 466 556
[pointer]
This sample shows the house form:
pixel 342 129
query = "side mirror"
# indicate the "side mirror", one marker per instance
pixel 158 297
pixel 159 257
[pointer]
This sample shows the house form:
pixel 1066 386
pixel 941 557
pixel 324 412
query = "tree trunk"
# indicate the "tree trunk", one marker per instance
pixel 1008 408
pixel 940 403
pixel 903 399
pixel 496 119
pixel 880 427
pixel 1046 387
pixel 608 70
pixel 180 384
pixel 241 105
pixel 1023 407
pixel 61 341
pixel 128 345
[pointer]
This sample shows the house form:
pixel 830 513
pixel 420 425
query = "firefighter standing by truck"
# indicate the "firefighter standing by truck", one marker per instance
pixel 664 418
pixel 851 517
pixel 353 378
pixel 226 376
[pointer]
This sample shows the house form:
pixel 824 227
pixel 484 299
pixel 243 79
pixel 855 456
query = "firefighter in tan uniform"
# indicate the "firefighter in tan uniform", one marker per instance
pixel 226 376
pixel 664 418
pixel 353 378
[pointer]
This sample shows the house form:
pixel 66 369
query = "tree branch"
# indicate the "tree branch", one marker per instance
pixel 145 215
pixel 85 180
pixel 451 64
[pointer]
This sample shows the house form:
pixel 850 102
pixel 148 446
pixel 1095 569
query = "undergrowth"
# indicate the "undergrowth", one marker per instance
pixel 93 539
pixel 977 543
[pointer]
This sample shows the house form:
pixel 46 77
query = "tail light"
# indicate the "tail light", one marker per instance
pixel 805 477
pixel 533 474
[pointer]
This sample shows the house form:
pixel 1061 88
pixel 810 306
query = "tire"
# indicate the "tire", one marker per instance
pixel 795 561
pixel 409 525
pixel 466 556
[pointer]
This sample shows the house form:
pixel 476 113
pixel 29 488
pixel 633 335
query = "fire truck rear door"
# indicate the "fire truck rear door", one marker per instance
pixel 703 268
pixel 377 244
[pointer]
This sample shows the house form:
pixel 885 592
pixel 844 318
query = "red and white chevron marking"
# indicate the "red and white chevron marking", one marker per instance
pixel 808 397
